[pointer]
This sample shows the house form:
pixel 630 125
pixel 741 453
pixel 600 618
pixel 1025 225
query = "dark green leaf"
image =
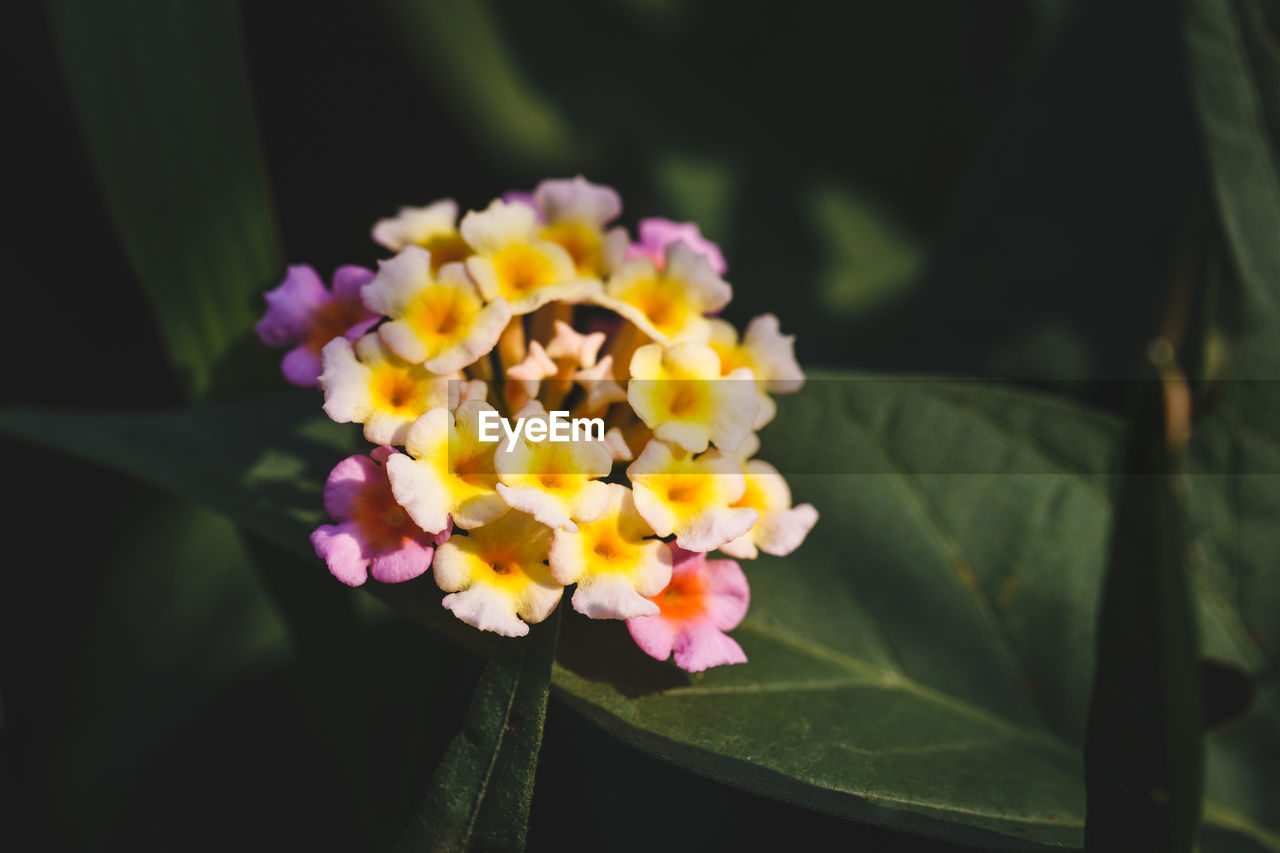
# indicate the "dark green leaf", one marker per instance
pixel 1242 162
pixel 461 54
pixel 179 607
pixel 326 632
pixel 161 96
pixel 1234 498
pixel 1143 752
pixel 923 662
pixel 480 795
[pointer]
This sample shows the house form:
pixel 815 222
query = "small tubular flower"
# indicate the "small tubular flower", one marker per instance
pixel 656 234
pixel 554 481
pixel 433 227
pixel 679 393
pixel 569 344
pixel 514 263
pixel 438 321
pixel 612 560
pixel 303 315
pixel 576 213
pixel 770 355
pixel 690 496
pixel 373 535
pixel 781 527
pixel 602 389
pixel 496 577
pixel 668 304
pixel 368 384
pixel 448 473
pixel 704 599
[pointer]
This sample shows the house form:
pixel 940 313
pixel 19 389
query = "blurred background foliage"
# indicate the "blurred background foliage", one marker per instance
pixel 986 188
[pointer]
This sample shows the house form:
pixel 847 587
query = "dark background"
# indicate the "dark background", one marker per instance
pixel 986 188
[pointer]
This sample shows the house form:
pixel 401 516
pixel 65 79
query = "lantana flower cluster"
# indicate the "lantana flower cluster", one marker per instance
pixel 535 305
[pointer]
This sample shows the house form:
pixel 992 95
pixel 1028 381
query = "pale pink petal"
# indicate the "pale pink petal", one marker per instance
pixel 701 646
pixel 656 234
pixel 345 482
pixel 340 547
pixel 302 367
pixel 727 594
pixel 382 452
pixel 655 635
pixel 405 563
pixel 577 199
pixel 526 198
pixel 290 306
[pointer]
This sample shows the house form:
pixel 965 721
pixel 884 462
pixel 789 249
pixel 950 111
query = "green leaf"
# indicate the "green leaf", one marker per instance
pixel 461 54
pixel 480 795
pixel 326 629
pixel 1144 757
pixel 1264 58
pixel 872 260
pixel 161 96
pixel 177 582
pixel 923 662
pixel 1234 499
pixel 1242 161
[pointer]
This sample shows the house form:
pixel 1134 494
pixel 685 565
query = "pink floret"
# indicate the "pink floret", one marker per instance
pixel 656 234
pixel 374 535
pixel 704 599
pixel 305 316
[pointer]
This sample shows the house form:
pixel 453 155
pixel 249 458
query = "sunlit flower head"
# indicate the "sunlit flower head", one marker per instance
pixel 434 228
pixel 613 559
pixel 438 320
pixel 513 262
pixel 496 575
pixel 368 384
pixel 690 496
pixel 704 599
pixel 303 315
pixel 373 535
pixel 657 234
pixel 524 354
pixel 448 472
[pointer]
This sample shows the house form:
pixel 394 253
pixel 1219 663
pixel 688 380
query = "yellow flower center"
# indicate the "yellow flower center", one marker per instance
pixel 582 244
pixel 662 301
pixel 394 389
pixel 442 313
pixel 522 269
pixel 446 248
